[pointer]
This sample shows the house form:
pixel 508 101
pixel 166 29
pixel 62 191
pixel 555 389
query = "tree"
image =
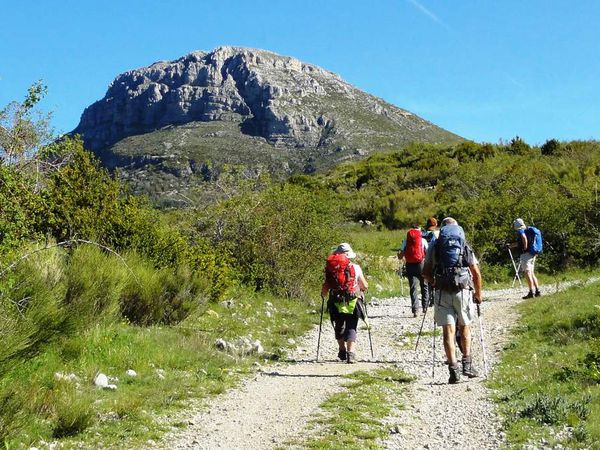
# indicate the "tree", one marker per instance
pixel 23 130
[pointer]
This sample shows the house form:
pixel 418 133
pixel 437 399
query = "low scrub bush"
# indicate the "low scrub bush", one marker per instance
pixel 277 239
pixel 167 296
pixel 32 311
pixel 95 282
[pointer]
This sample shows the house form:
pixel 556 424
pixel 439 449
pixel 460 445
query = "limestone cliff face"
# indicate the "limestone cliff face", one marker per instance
pixel 278 98
pixel 175 127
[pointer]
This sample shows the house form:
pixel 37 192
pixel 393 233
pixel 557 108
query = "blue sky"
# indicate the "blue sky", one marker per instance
pixel 486 70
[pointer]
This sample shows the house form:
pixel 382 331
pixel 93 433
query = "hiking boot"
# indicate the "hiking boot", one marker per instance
pixel 454 374
pixel 351 357
pixel 467 368
pixel 342 354
pixel 538 293
pixel 529 295
pixel 414 313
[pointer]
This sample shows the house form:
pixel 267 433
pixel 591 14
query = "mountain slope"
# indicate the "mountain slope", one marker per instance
pixel 181 121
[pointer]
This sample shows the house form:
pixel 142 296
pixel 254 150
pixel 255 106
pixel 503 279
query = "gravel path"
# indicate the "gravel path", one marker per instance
pixel 274 406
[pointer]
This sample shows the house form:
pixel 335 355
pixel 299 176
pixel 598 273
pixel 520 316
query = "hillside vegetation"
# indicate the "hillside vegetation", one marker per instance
pixel 95 279
pixel 485 187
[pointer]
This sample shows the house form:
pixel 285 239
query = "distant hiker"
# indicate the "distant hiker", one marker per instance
pixel 529 240
pixel 413 251
pixel 430 234
pixel 453 269
pixel 431 231
pixel 345 284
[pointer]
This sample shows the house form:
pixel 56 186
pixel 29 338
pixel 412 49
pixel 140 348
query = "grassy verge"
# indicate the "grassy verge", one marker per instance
pixel 51 397
pixel 548 383
pixel 354 418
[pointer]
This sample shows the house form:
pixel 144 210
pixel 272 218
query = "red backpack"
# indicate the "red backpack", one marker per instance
pixel 339 273
pixel 413 253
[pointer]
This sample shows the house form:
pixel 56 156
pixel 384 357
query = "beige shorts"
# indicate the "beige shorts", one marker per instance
pixel 452 308
pixel 527 262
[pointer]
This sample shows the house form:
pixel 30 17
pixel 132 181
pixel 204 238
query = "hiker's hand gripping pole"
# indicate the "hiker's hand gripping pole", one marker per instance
pixel 320 326
pixel 482 341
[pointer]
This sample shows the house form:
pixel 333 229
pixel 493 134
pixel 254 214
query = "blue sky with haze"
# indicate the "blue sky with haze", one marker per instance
pixel 486 70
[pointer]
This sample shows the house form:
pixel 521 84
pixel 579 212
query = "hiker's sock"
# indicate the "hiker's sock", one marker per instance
pixel 529 295
pixel 538 293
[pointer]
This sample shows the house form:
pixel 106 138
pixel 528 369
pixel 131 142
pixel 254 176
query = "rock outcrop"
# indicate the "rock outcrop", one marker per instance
pixel 173 126
pixel 279 98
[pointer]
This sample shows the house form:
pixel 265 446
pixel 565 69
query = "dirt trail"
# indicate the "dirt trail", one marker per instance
pixel 274 406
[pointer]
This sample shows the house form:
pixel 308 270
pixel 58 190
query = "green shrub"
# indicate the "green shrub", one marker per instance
pixel 31 306
pixel 277 239
pixel 95 282
pixel 72 414
pixel 166 295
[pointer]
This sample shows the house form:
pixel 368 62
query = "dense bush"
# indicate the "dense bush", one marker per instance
pixel 277 239
pixel 485 187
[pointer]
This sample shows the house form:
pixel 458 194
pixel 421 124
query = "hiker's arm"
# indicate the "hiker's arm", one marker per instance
pixel 523 242
pixel 362 283
pixel 401 251
pixel 324 289
pixel 477 283
pixel 427 272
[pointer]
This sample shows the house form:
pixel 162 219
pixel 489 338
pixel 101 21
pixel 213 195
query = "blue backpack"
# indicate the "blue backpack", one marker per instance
pixel 534 240
pixel 451 273
pixel 450 246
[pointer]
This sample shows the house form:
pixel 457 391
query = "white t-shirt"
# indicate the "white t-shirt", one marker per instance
pixel 358 273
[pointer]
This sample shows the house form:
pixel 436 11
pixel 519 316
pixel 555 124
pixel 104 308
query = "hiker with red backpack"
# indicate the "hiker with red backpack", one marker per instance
pixel 413 251
pixel 529 240
pixel 345 284
pixel 453 269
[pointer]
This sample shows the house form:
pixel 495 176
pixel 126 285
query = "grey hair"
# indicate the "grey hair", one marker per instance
pixel 449 221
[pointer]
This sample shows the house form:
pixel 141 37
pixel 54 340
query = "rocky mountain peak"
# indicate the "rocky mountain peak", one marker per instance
pixel 262 90
pixel 240 106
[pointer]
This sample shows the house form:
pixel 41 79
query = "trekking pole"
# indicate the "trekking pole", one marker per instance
pixel 481 340
pixel 369 330
pixel 433 352
pixel 320 326
pixel 517 277
pixel 402 279
pixel 421 329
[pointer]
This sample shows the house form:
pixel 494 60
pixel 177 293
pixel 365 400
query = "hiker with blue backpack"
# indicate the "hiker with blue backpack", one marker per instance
pixel 345 285
pixel 452 268
pixel 529 240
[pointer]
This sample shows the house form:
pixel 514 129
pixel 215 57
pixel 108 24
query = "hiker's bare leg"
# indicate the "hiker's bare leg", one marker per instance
pixel 530 280
pixel 465 339
pixel 449 347
pixel 350 346
pixel 341 344
pixel 535 280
